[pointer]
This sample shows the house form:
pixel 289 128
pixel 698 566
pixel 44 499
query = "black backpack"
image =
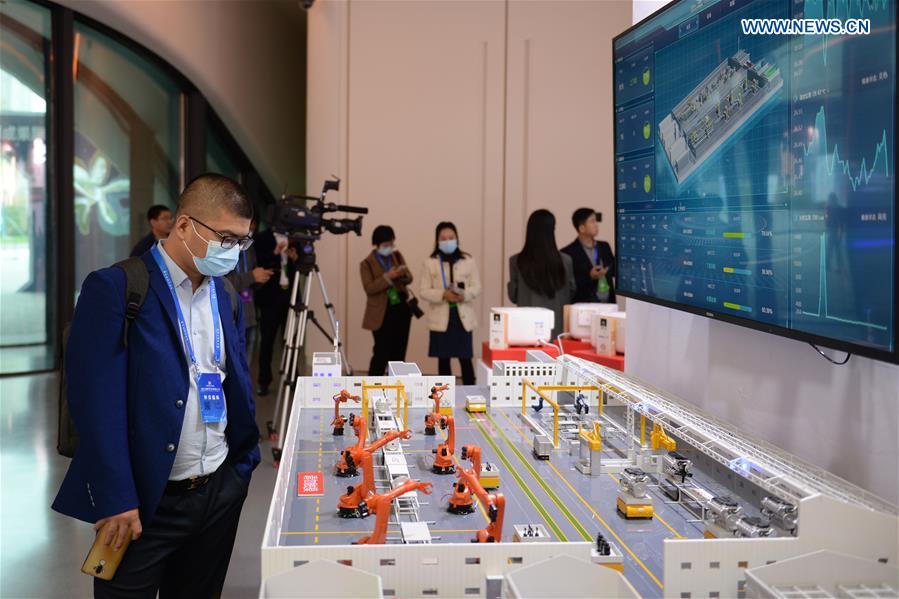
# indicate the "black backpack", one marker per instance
pixel 137 282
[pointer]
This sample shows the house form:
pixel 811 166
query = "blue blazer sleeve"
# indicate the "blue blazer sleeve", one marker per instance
pixel 97 378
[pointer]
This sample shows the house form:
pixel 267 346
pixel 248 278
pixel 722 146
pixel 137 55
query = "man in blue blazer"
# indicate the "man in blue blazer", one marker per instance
pixel 167 424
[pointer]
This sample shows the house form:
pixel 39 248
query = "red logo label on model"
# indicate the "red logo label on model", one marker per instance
pixel 310 484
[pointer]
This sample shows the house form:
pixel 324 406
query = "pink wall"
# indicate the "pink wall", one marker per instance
pixel 476 112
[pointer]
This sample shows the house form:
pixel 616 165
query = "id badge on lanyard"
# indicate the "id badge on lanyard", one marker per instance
pixel 393 294
pixel 212 397
pixel 209 384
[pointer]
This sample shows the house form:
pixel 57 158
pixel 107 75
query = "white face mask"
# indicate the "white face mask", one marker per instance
pixel 218 261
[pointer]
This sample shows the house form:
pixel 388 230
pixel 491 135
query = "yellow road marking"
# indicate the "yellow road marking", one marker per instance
pixel 316 517
pixel 594 512
pixel 316 527
pixel 541 509
pixel 315 540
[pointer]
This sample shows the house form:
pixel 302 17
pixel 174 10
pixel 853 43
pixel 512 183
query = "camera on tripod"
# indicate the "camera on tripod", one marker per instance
pixel 302 219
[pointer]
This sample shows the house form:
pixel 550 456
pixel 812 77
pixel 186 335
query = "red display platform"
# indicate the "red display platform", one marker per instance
pixel 580 349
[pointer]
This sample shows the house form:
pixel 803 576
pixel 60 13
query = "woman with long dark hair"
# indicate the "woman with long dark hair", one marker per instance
pixel 540 275
pixel 449 284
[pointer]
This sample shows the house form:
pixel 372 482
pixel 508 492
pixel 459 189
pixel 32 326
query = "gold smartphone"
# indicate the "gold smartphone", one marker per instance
pixel 102 561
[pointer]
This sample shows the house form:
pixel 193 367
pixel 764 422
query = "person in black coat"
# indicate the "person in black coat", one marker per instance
pixel 161 222
pixel 272 301
pixel 594 262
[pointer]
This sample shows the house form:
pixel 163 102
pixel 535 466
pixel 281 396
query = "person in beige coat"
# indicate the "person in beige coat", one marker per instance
pixel 449 284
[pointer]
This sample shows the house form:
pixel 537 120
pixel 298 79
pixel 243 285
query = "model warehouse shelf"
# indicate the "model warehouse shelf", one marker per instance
pixel 631 433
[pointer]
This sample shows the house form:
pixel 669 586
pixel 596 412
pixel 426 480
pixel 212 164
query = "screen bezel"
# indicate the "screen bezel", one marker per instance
pixel 829 342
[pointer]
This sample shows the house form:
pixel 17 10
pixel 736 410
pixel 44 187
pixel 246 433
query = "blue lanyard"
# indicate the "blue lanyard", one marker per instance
pixel 185 334
pixel 443 274
pixel 596 255
pixel 385 264
pixel 243 255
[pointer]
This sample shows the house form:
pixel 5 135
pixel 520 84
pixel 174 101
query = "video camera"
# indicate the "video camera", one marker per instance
pixel 296 218
pixel 301 218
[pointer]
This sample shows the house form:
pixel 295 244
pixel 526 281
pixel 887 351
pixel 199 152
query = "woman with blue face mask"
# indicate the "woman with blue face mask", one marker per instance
pixel 387 314
pixel 449 285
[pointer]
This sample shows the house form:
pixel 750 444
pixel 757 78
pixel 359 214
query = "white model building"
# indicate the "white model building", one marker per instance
pixel 566 577
pixel 822 575
pixel 322 579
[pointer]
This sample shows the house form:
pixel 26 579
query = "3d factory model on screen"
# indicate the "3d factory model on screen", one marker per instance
pixel 714 110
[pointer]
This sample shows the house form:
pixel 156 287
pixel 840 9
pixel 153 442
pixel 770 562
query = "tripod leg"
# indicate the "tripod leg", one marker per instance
pixel 289 328
pixel 291 322
pixel 288 380
pixel 329 308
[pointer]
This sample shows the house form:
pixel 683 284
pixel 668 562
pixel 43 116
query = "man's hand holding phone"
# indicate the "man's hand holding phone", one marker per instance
pixel 597 272
pixel 119 527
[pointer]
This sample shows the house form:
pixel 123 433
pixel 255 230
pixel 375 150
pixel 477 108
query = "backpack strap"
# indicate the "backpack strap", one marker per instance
pixel 137 281
pixel 232 295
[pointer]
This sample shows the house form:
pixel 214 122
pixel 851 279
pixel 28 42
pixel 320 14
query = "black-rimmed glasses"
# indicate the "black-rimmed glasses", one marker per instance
pixel 228 241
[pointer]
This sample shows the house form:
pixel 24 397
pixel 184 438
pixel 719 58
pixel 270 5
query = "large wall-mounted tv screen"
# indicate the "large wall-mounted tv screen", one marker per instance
pixel 755 166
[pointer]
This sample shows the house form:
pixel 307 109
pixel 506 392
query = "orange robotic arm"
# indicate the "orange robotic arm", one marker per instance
pixel 382 505
pixel 437 394
pixel 353 504
pixel 349 458
pixel 494 502
pixel 387 438
pixel 443 461
pixel 339 420
pixel 473 453
pixel 432 418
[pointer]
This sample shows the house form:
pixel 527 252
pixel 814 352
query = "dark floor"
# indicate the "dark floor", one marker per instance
pixel 41 552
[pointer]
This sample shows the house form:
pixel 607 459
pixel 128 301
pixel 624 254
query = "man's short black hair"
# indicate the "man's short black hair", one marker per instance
pixel 581 215
pixel 382 234
pixel 156 210
pixel 211 193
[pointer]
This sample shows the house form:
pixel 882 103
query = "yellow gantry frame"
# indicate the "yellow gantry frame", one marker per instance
pixel 402 399
pixel 592 437
pixel 541 391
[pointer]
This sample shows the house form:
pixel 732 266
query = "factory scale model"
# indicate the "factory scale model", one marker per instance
pixel 557 472
pixel 715 110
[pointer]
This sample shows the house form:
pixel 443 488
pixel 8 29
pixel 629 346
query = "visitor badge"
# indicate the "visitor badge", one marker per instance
pixel 393 296
pixel 212 397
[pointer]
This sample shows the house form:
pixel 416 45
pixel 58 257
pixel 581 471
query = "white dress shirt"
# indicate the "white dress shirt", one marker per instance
pixel 202 447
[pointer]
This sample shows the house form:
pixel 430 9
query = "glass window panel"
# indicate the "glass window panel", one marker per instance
pixel 218 158
pixel 127 148
pixel 26 319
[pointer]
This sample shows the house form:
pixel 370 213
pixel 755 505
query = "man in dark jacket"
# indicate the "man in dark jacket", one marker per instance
pixel 246 278
pixel 594 262
pixel 155 463
pixel 160 220
pixel 272 299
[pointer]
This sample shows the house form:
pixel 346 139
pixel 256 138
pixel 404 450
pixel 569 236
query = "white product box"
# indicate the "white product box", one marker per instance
pixel 608 333
pixel 520 326
pixel 580 318
pixel 326 364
